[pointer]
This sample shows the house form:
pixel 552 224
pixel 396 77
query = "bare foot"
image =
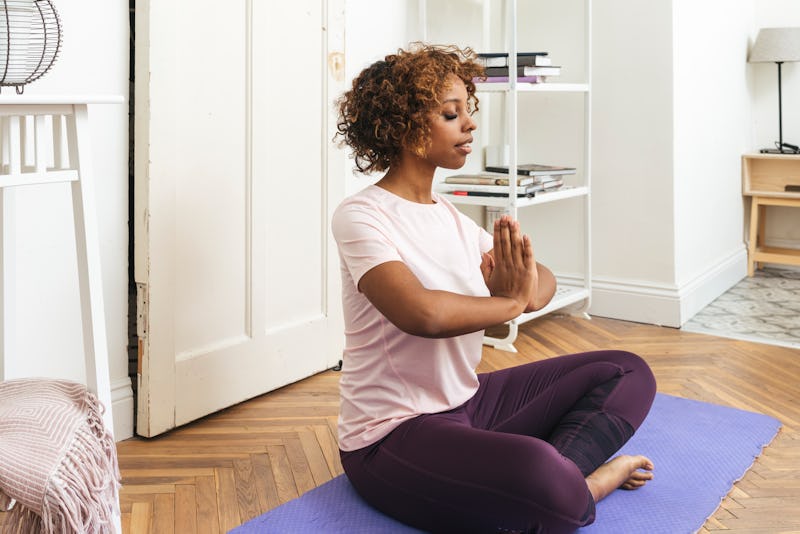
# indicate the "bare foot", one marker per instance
pixel 621 472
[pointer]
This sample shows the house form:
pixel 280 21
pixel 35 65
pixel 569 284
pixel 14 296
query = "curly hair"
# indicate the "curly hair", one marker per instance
pixel 387 109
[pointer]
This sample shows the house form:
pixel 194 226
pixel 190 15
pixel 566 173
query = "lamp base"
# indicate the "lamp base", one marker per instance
pixel 784 148
pixel 776 151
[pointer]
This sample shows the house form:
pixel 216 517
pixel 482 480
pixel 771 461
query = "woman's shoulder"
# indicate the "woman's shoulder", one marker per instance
pixel 364 199
pixel 358 207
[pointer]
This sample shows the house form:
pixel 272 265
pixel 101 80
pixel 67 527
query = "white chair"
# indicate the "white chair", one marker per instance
pixel 60 152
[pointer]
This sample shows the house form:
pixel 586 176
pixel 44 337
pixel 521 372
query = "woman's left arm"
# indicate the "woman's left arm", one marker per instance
pixel 544 290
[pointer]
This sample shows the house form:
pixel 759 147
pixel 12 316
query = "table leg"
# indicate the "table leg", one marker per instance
pixel 753 242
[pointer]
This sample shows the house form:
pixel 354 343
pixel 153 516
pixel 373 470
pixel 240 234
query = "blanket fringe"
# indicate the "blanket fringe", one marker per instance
pixel 82 494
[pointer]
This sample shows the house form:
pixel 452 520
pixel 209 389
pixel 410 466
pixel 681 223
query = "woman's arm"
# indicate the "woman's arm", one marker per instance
pixel 397 293
pixel 544 290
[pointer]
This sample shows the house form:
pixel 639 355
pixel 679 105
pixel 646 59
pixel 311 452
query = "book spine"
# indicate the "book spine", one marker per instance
pixel 504 79
pixel 503 189
pixel 524 71
pixel 488 194
pixel 522 171
pixel 478 180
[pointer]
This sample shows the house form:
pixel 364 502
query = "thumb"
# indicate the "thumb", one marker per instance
pixel 487 264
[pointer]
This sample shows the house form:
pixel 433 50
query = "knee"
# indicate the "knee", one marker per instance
pixel 552 490
pixel 637 389
pixel 634 365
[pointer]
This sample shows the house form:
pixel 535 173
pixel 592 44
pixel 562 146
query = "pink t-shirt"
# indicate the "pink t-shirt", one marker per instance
pixel 390 376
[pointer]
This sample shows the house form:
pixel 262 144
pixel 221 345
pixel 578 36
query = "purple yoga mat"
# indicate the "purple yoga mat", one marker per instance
pixel 699 451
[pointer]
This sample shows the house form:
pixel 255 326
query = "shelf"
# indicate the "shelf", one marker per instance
pixel 574 296
pixel 540 198
pixel 771 175
pixel 546 87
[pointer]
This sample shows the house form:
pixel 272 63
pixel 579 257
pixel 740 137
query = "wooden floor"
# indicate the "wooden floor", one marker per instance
pixel 214 474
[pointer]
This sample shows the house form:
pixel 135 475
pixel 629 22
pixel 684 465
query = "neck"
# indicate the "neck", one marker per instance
pixel 411 180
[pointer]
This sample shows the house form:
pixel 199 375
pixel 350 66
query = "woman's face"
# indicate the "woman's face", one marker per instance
pixel 451 128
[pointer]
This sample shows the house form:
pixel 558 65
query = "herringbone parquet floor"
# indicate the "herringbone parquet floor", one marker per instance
pixel 216 473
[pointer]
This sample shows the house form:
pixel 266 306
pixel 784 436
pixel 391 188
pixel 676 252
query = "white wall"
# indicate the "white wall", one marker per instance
pixel 633 224
pixel 712 110
pixel 93 60
pixel 367 41
pixel 688 107
pixel 783 224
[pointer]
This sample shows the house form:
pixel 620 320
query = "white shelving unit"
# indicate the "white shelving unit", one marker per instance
pixel 569 292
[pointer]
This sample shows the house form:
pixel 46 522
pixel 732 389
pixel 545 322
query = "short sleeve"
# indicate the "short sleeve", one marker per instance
pixel 485 239
pixel 363 239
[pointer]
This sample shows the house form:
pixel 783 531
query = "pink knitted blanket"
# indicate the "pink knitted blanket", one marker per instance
pixel 58 464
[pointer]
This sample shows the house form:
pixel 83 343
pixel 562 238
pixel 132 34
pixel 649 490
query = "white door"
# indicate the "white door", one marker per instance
pixel 236 179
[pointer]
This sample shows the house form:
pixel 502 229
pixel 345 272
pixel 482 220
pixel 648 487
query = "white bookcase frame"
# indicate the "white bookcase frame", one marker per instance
pixel 569 293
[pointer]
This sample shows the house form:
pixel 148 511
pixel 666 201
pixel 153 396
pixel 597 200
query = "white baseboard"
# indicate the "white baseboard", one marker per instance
pixel 122 408
pixel 663 304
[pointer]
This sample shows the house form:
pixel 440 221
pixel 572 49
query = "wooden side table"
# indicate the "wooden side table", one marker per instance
pixel 769 180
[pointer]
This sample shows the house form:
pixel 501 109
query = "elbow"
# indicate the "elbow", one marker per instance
pixel 540 301
pixel 427 321
pixel 545 289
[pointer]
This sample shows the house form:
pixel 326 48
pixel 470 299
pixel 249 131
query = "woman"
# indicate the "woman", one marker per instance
pixel 422 437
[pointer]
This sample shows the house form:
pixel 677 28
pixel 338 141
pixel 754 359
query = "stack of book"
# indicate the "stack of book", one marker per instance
pixel 493 184
pixel 534 169
pixel 532 67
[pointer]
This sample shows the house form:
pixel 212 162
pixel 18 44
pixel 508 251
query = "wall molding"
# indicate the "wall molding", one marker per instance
pixel 666 304
pixel 122 407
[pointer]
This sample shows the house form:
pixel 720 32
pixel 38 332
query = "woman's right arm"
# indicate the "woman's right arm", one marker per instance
pixel 397 293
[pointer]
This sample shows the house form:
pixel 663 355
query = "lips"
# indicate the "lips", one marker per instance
pixel 465 147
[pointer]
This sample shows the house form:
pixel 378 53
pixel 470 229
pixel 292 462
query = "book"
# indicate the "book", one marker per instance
pixel 500 59
pixel 551 70
pixel 489 194
pixel 534 169
pixel 552 184
pixel 504 79
pixel 496 178
pixel 500 190
pixel 487 179
pixel 503 191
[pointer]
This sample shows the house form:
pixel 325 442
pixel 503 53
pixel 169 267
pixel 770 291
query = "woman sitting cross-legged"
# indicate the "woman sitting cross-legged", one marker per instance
pixel 423 438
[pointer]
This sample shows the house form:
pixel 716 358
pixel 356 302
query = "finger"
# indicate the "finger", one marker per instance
pixel 498 239
pixel 505 240
pixel 486 265
pixel 527 252
pixel 516 247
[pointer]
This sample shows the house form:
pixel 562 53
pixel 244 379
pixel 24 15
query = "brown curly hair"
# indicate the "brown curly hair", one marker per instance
pixel 387 109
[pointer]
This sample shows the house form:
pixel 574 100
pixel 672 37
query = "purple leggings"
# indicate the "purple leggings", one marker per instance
pixel 515 456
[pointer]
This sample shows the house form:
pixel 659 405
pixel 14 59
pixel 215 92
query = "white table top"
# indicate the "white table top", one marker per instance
pixel 9 97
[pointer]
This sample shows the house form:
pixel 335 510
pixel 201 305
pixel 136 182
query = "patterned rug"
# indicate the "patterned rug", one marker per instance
pixel 764 308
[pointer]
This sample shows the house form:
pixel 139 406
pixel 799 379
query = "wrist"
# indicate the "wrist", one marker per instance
pixel 512 306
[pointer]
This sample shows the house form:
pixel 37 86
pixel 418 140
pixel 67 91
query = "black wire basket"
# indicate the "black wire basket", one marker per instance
pixel 30 38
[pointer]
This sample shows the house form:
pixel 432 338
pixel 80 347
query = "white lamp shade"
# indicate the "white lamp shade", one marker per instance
pixel 776 44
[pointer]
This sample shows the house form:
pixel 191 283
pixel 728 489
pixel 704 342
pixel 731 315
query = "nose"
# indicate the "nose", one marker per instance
pixel 470 124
